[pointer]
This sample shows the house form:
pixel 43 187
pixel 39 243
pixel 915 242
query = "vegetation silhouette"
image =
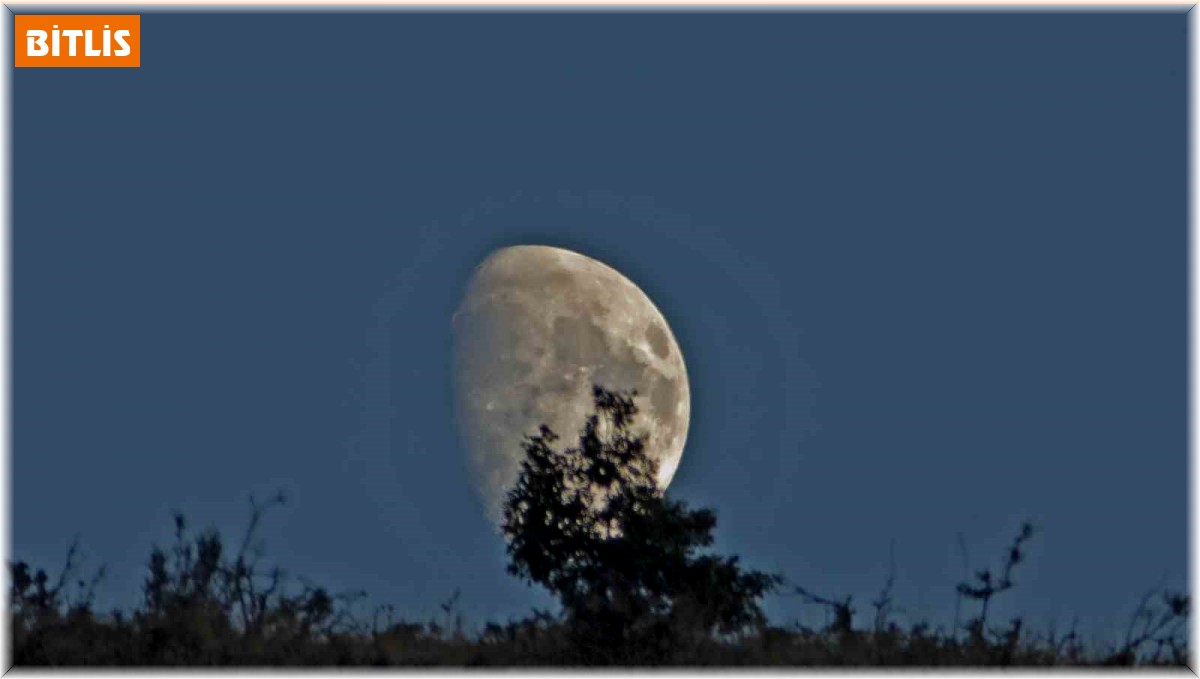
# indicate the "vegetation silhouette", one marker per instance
pixel 588 523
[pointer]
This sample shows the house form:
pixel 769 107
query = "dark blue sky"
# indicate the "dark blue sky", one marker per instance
pixel 929 274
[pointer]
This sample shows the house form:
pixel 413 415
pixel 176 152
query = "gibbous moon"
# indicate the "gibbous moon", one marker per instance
pixel 537 327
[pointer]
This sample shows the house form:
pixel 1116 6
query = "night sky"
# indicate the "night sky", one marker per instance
pixel 928 273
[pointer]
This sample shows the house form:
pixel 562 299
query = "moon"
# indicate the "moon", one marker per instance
pixel 536 328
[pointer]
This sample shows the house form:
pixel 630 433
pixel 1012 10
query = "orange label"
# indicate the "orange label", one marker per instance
pixel 73 40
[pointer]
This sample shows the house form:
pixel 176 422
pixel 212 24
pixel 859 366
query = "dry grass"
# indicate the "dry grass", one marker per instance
pixel 204 605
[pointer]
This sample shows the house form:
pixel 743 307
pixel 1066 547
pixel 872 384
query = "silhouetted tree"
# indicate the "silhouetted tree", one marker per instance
pixel 648 597
pixel 589 524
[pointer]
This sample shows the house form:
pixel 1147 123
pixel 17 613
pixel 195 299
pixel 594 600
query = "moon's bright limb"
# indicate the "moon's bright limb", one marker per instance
pixel 537 327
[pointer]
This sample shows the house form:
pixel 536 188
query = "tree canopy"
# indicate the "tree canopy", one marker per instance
pixel 628 563
pixel 590 524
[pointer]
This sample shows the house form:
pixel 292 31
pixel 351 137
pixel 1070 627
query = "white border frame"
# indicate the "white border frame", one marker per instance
pixel 6 49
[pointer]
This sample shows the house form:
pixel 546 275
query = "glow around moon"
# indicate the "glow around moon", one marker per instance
pixel 537 327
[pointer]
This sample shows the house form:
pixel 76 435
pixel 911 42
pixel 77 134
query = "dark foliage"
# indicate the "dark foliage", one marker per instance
pixel 202 608
pixel 588 524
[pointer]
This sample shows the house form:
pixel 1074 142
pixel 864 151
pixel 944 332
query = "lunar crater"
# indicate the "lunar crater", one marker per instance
pixel 536 328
